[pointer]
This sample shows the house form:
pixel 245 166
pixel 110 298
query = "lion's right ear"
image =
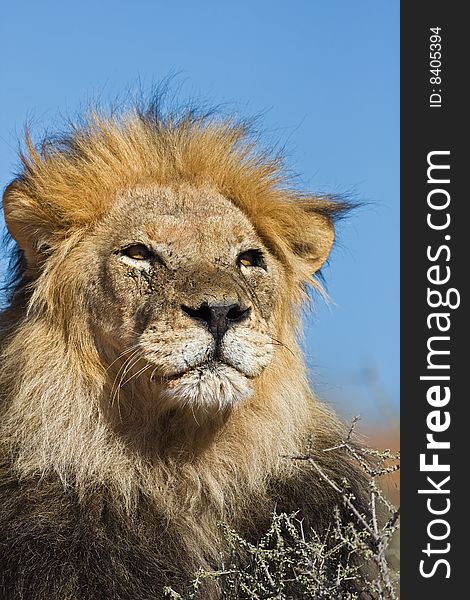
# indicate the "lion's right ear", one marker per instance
pixel 27 221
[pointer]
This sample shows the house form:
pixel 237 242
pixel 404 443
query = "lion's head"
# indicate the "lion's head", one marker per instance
pixel 178 281
pixel 164 262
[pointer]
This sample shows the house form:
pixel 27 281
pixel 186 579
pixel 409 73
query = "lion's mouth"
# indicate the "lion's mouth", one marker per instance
pixel 213 385
pixel 211 367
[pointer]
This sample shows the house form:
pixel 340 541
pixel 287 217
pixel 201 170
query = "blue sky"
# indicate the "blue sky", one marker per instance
pixel 325 77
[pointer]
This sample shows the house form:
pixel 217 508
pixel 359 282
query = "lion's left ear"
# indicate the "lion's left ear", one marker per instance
pixel 316 241
pixel 314 231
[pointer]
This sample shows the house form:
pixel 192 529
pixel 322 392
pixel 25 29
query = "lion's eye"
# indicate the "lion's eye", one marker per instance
pixel 137 252
pixel 251 258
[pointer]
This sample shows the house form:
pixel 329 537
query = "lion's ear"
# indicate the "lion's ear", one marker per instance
pixel 315 232
pixel 315 244
pixel 27 221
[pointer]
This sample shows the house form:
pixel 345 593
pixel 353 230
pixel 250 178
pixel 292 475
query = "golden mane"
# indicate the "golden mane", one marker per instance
pixel 70 181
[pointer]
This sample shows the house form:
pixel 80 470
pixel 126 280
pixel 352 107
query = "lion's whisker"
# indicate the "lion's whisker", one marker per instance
pixel 276 342
pixel 123 353
pixel 147 366
pixel 124 369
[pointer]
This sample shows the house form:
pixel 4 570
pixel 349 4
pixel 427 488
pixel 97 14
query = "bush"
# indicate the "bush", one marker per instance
pixel 348 562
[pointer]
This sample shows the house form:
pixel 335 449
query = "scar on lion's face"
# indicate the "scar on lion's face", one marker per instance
pixel 196 288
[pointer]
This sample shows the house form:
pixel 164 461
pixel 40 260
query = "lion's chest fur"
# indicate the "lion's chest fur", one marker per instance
pixel 54 546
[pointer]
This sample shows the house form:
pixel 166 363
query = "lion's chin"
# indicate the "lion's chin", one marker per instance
pixel 210 387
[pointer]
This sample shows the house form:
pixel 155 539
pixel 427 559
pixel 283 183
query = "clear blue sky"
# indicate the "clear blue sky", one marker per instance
pixel 325 75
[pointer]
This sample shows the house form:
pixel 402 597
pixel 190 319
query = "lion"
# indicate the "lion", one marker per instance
pixel 152 384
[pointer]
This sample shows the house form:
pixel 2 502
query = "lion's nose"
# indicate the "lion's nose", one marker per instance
pixel 217 317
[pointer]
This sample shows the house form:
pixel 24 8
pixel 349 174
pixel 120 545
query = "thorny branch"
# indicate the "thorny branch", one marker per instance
pixel 287 564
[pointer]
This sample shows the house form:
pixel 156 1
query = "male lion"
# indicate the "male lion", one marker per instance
pixel 152 384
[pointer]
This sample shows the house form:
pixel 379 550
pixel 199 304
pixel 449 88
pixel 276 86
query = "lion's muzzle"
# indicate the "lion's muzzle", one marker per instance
pixel 217 317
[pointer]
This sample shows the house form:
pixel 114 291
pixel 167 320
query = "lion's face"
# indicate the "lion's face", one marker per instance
pixel 181 286
pixel 171 278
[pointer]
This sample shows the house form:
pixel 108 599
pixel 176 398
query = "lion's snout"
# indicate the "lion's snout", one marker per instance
pixel 218 316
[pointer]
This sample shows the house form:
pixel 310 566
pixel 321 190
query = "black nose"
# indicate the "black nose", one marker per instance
pixel 217 317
